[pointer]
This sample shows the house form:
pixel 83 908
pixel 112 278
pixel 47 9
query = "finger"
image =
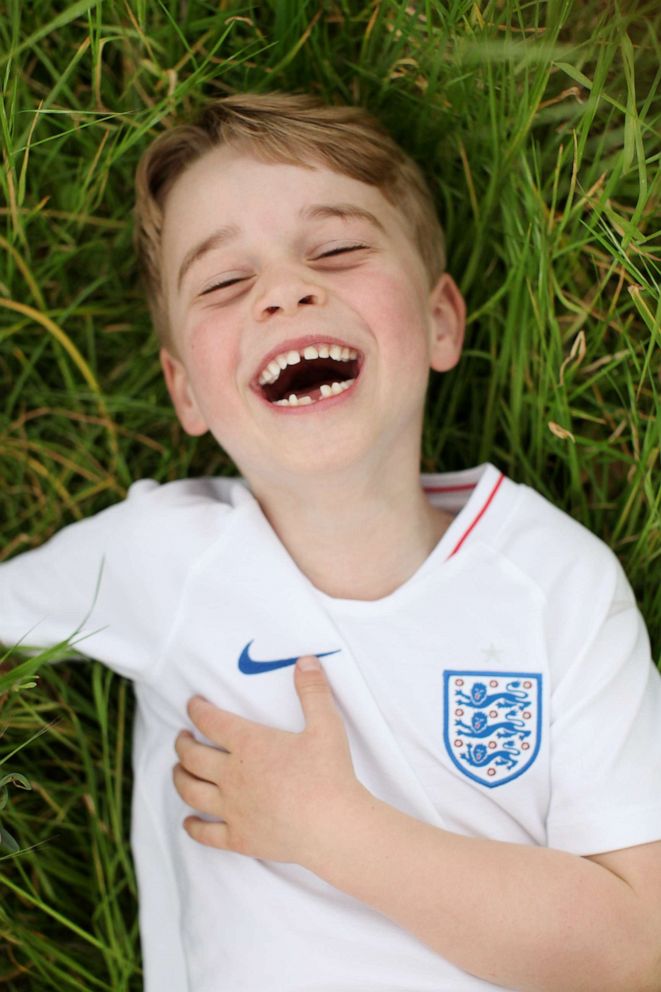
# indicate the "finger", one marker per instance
pixel 209 834
pixel 201 760
pixel 205 797
pixel 219 726
pixel 314 690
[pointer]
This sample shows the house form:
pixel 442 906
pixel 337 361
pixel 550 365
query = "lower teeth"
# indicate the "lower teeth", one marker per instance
pixel 326 391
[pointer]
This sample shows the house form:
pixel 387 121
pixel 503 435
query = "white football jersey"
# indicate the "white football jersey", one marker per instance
pixel 505 691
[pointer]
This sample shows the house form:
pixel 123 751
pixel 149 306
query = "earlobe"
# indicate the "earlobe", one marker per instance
pixel 448 318
pixel 181 394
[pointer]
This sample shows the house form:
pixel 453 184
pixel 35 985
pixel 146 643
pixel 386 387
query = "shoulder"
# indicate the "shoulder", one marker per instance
pixel 174 522
pixel 551 552
pixel 214 493
pixel 579 582
pixel 184 517
pixel 522 528
pixel 554 549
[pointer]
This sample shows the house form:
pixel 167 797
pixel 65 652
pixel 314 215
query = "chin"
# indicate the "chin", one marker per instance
pixel 308 464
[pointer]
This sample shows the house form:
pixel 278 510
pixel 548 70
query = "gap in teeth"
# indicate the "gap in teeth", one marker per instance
pixel 334 390
pixel 271 372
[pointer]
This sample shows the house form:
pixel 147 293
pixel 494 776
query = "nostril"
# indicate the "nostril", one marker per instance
pixel 307 299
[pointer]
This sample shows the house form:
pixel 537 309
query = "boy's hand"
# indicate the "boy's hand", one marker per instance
pixel 273 790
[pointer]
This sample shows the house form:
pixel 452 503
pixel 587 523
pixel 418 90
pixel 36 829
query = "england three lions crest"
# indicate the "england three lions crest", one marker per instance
pixel 492 723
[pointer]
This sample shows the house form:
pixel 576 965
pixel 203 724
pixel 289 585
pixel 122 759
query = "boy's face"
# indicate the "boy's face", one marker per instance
pixel 272 265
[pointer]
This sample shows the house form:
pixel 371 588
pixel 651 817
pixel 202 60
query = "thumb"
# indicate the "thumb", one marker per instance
pixel 313 689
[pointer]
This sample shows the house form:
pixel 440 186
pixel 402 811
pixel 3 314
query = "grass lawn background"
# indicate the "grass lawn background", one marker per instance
pixel 537 125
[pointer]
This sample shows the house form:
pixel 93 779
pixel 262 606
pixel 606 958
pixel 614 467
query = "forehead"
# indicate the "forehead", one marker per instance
pixel 233 188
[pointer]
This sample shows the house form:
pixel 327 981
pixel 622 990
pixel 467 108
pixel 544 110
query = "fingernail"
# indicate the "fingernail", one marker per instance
pixel 309 663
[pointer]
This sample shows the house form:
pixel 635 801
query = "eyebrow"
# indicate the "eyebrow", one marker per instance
pixel 346 211
pixel 213 241
pixel 316 211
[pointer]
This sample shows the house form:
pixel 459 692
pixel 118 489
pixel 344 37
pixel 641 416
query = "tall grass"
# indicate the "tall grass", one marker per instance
pixel 537 124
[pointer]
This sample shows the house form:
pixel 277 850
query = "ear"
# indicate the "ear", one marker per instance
pixel 448 322
pixel 181 394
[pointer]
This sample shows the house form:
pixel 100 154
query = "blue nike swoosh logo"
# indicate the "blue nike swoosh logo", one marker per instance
pixel 250 667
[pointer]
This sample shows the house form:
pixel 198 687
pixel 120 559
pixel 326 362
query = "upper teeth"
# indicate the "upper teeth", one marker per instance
pixel 272 371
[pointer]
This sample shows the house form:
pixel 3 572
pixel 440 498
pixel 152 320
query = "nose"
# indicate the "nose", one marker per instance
pixel 285 292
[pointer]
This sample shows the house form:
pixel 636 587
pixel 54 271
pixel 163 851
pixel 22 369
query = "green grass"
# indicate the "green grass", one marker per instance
pixel 537 125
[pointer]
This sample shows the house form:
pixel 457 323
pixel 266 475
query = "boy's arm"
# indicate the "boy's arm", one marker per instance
pixel 528 918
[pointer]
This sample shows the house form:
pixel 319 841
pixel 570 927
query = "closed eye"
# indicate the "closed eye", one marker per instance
pixel 224 285
pixel 344 249
pixel 341 251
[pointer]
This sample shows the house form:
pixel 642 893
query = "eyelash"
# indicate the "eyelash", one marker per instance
pixel 340 251
pixel 327 254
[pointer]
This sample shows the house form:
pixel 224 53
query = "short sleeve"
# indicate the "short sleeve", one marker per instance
pixel 89 585
pixel 606 732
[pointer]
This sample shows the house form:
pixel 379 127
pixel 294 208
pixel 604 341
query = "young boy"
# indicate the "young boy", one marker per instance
pixel 466 795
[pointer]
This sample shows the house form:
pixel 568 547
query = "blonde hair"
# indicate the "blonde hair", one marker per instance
pixel 286 128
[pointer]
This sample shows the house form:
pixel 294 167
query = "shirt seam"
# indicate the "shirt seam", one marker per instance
pixel 599 616
pixel 160 656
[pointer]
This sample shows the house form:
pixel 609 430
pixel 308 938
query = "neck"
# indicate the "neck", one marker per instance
pixel 356 538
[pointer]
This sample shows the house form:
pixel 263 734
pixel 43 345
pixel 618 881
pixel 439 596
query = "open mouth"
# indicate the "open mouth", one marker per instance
pixel 318 372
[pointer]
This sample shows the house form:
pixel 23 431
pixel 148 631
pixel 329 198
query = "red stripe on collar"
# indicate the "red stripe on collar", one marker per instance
pixel 478 517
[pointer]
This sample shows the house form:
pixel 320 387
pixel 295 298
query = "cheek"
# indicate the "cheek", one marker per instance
pixel 210 349
pixel 211 359
pixel 398 318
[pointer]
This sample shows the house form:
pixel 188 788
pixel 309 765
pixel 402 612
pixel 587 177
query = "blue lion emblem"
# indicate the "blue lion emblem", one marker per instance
pixel 492 723
pixel 478 756
pixel 480 727
pixel 512 699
